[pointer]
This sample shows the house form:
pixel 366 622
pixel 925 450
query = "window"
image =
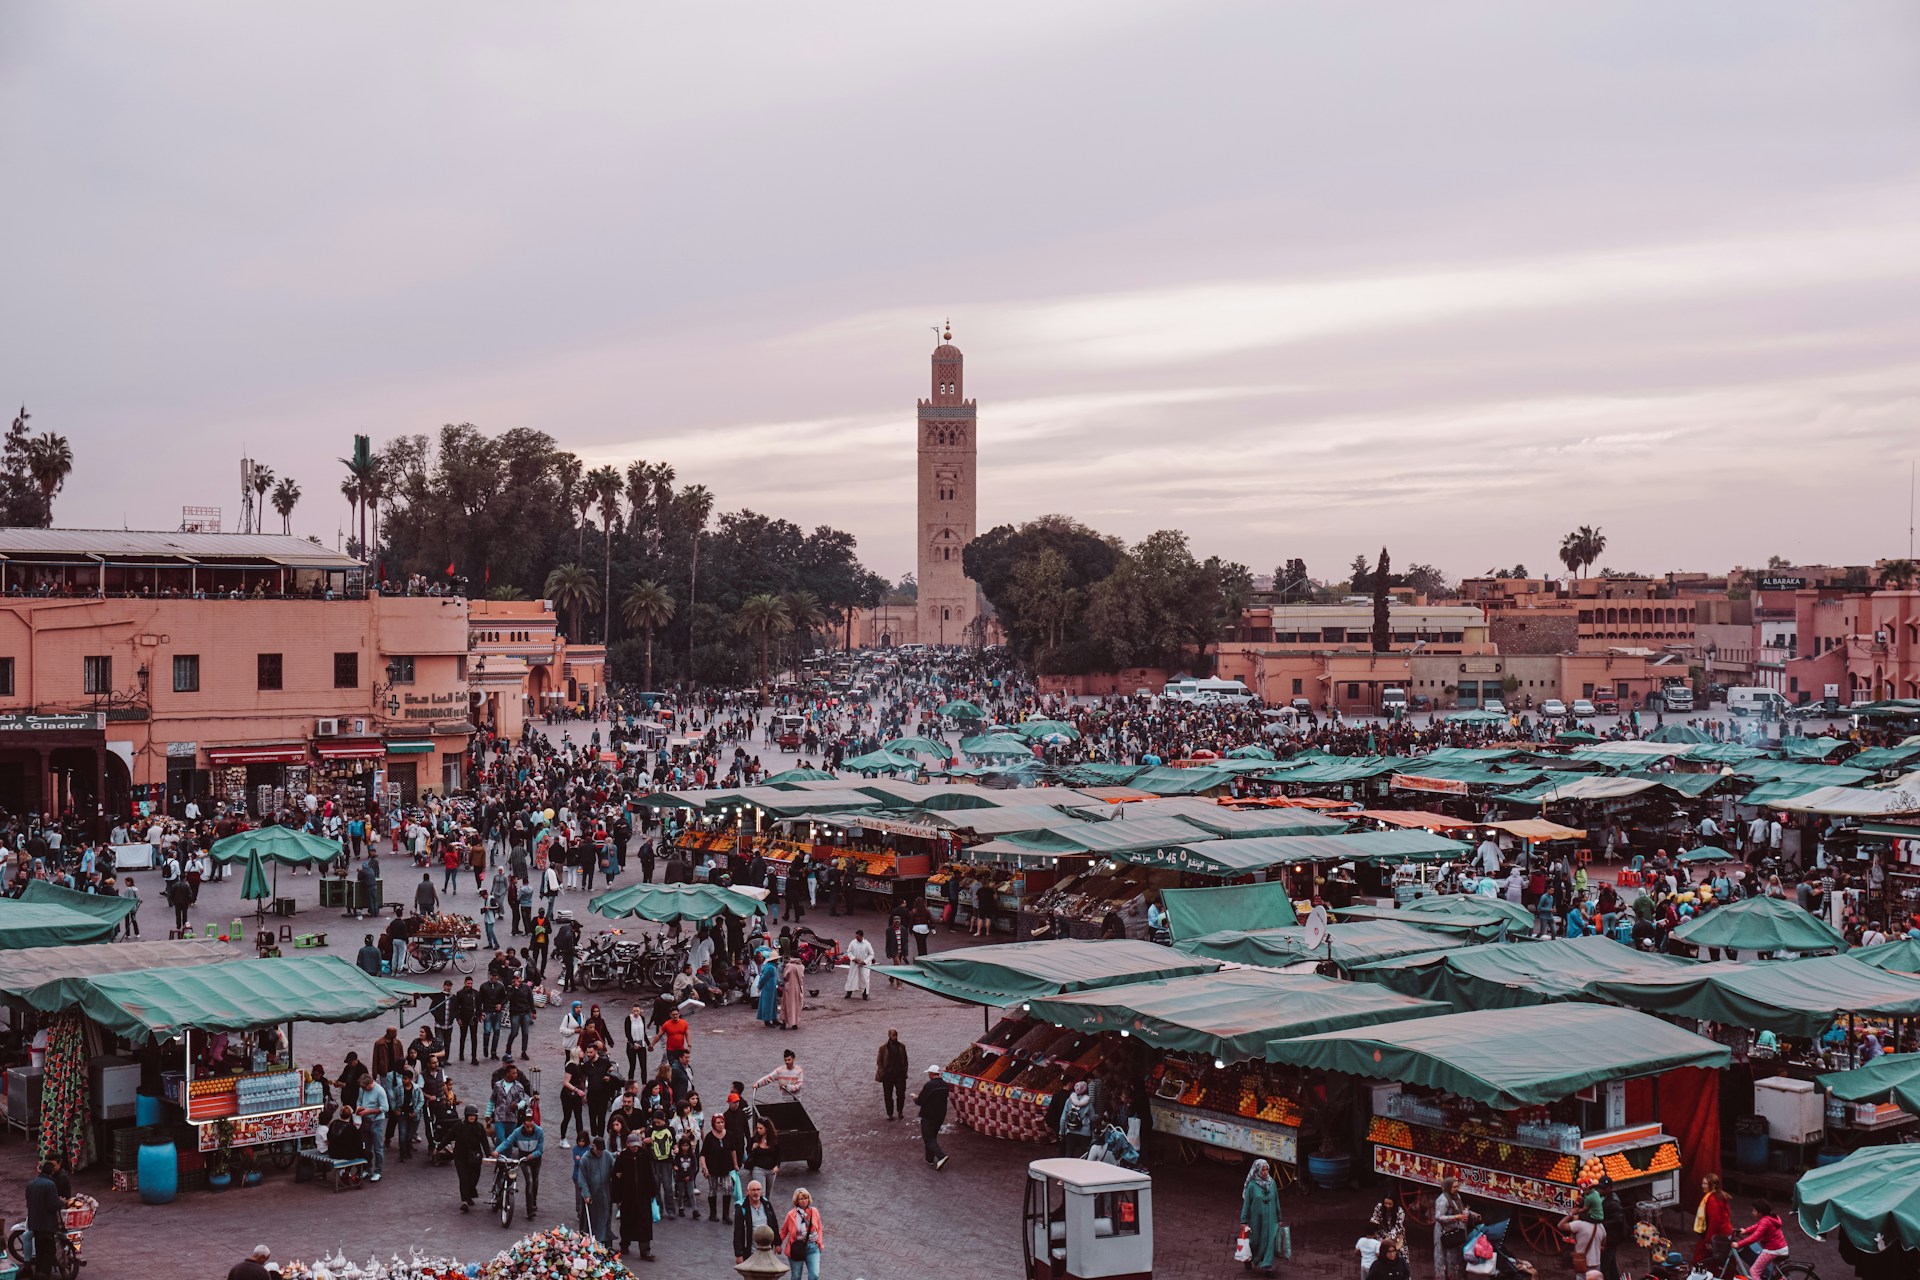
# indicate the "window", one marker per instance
pixel 267 669
pixel 402 669
pixel 346 671
pixel 1296 686
pixel 1353 691
pixel 96 675
pixel 186 673
pixel 6 677
pixel 1333 635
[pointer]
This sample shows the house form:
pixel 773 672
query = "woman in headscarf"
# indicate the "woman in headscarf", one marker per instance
pixel 793 988
pixel 769 1012
pixel 1260 1215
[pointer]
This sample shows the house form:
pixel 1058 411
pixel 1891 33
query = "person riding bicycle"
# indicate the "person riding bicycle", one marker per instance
pixel 526 1144
pixel 1766 1238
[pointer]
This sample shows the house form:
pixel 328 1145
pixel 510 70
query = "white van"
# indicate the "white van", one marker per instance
pixel 1752 700
pixel 1218 691
pixel 1393 701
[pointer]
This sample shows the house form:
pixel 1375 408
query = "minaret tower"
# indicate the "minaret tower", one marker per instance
pixel 949 601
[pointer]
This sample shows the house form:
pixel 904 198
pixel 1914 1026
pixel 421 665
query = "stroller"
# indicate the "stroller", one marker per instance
pixel 438 1123
pixel 1111 1146
pixel 1499 1264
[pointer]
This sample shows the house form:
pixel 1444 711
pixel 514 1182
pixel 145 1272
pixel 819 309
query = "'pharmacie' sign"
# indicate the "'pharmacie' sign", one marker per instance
pixel 433 706
pixel 16 722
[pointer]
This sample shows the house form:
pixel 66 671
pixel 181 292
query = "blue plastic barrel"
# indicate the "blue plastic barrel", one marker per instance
pixel 146 1109
pixel 1750 1152
pixel 159 1172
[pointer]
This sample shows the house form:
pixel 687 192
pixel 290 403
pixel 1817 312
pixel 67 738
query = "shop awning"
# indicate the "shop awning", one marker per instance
pixel 1853 802
pixel 1337 769
pixel 1899 956
pixel 1810 748
pixel 1724 753
pixel 1416 819
pixel 1788 997
pixel 667 903
pixel 1193 913
pixel 1690 785
pixel 265 753
pixel 371 749
pixel 1167 781
pixel 1538 830
pixel 1761 924
pixel 110 909
pixel 241 995
pixel 1508 1058
pixel 1586 788
pixel 1347 945
pixel 1872 1198
pixel 29 967
pixel 1892 1077
pixel 277 844
pixel 1218 819
pixel 409 747
pixel 1510 975
pixel 1231 1015
pixel 1628 755
pixel 1010 973
pixel 39 924
pixel 1457 913
pixel 1212 857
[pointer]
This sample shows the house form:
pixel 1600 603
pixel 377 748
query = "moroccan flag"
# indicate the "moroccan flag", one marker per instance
pixel 449 568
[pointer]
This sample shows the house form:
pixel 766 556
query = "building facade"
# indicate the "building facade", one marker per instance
pixel 523 667
pixel 948 609
pixel 142 668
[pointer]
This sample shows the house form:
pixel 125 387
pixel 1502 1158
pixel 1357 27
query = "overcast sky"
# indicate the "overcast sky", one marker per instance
pixel 1297 278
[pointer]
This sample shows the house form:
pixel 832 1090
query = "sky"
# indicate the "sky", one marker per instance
pixel 1300 279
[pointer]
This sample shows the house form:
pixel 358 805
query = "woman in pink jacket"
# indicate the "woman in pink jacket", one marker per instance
pixel 1766 1236
pixel 800 1238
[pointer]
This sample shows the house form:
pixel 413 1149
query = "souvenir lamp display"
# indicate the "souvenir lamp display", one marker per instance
pixel 559 1254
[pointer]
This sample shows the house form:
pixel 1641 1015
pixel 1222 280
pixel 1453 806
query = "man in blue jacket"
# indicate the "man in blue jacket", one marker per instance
pixel 527 1144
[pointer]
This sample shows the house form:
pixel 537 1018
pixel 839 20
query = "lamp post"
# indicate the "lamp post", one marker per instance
pixel 763 1264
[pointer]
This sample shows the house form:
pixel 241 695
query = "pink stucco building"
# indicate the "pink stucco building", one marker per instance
pixel 159 667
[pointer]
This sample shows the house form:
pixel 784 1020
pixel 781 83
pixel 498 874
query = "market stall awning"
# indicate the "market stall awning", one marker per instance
pixel 667 903
pixel 1761 924
pixel 1892 1077
pixel 1415 819
pixel 370 749
pixel 1587 788
pixel 1545 783
pixel 237 996
pixel 1466 755
pixel 1723 753
pixel 1810 748
pixel 1167 781
pixel 1813 774
pixel 1789 998
pixel 1628 755
pixel 41 924
pixel 1853 802
pixel 1883 757
pixel 1192 913
pixel 1510 975
pixel 1456 913
pixel 785 777
pixel 1685 734
pixel 1690 785
pixel 1013 972
pixel 1902 955
pixel 882 761
pixel 264 753
pixel 1100 773
pixel 29 967
pixel 1872 1197
pixel 1508 1058
pixel 1458 779
pixel 1214 857
pixel 674 800
pixel 1538 830
pixel 1220 820
pixel 1347 945
pixel 1230 1015
pixel 277 844
pixel 112 910
pixel 1323 770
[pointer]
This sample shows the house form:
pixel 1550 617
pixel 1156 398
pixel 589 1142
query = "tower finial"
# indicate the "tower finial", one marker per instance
pixel 948 335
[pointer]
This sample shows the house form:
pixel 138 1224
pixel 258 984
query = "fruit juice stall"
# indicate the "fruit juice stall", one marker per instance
pixel 888 857
pixel 1206 1037
pixel 1003 1082
pixel 1522 1104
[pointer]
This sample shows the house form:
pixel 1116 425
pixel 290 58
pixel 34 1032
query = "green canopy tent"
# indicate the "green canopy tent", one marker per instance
pixel 1707 853
pixel 1193 913
pixel 1238 824
pixel 1578 737
pixel 1476 916
pixel 1902 955
pixel 28 968
pixel 99 906
pixel 1892 1077
pixel 1508 975
pixel 1331 770
pixel 786 777
pixel 1724 753
pixel 1254 751
pixel 1477 717
pixel 667 903
pixel 1100 773
pixel 961 709
pixel 1347 945
pixel 1690 785
pixel 1883 757
pixel 996 744
pixel 882 762
pixel 1166 780
pixel 668 800
pixel 1761 924
pixel 1790 998
pixel 1466 755
pixel 1685 734
pixel 277 845
pixel 1810 748
pixel 241 995
pixel 1508 1058
pixel 41 924
pixel 1014 972
pixel 253 883
pixel 919 746
pixel 1044 730
pixel 1357 846
pixel 1229 1016
pixel 1872 1197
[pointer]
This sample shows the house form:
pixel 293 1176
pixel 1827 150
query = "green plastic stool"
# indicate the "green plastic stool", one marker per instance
pixel 237 932
pixel 209 931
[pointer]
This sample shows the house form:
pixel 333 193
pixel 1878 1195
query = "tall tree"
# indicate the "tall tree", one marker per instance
pixel 262 485
pixel 572 588
pixel 805 615
pixel 51 461
pixel 1290 581
pixel 763 617
pixel 1382 604
pixel 1592 543
pixel 1359 577
pixel 1898 575
pixel 286 495
pixel 649 606
pixel 605 486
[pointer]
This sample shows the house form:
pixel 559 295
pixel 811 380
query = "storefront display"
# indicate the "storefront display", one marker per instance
pixel 1101 903
pixel 1003 892
pixel 1243 1107
pixel 1004 1082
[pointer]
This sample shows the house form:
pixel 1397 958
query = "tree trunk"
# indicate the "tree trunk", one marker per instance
pixel 647 679
pixel 606 596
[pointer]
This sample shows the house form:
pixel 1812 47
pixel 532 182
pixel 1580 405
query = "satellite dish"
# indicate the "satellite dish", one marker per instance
pixel 1316 928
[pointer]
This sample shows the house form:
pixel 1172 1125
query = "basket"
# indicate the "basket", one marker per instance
pixel 79 1215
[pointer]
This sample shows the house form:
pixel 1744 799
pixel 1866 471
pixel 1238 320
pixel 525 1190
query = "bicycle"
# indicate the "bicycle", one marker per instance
pixel 431 955
pixel 506 1175
pixel 77 1217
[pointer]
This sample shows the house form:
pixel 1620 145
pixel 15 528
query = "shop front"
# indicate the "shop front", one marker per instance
pixel 257 778
pixel 51 762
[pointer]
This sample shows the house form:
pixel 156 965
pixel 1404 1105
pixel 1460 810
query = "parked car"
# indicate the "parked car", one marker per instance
pixel 1584 710
pixel 1553 709
pixel 1495 705
pixel 1303 705
pixel 1606 702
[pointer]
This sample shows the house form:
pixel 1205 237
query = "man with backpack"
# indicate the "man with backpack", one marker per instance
pixel 566 945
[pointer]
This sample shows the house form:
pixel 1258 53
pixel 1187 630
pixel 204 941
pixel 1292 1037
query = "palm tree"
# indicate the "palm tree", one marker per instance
pixel 351 491
pixel 506 591
pixel 1592 543
pixel 805 613
pixel 50 461
pixel 647 605
pixel 572 587
pixel 356 488
pixel 605 486
pixel 650 494
pixel 286 495
pixel 262 482
pixel 763 616
pixel 1570 552
pixel 1898 575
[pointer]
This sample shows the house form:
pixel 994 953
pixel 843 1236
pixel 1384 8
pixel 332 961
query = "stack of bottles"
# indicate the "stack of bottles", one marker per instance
pixel 274 1091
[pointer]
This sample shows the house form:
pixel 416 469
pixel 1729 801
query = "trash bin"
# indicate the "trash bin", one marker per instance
pixel 1750 1145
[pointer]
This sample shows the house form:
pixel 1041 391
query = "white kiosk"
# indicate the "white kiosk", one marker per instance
pixel 1087 1220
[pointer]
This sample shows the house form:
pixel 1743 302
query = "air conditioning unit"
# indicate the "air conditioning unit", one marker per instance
pixel 359 728
pixel 326 728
